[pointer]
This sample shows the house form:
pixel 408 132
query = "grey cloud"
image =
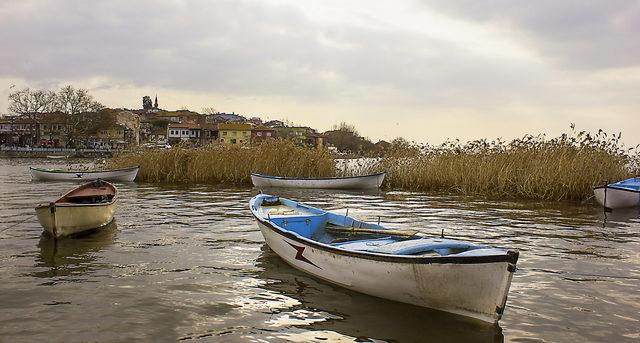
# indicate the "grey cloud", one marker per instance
pixel 248 48
pixel 575 33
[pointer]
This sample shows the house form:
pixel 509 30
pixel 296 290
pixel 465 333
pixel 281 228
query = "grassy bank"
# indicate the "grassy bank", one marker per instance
pixel 532 167
pixel 228 164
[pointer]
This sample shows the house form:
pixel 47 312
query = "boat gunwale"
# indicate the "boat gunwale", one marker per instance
pixel 286 178
pixel 57 171
pixel 510 256
pixel 68 204
pixel 618 188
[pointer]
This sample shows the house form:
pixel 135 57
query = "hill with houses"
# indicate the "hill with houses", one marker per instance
pixel 151 126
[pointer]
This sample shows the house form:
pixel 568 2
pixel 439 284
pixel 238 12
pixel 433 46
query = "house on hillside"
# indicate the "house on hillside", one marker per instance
pixel 180 132
pixel 111 137
pixel 301 135
pixel 234 133
pixel 255 121
pixel 6 131
pixel 180 116
pixel 225 118
pixel 261 133
pixel 105 129
pixel 54 129
pixel 209 133
pixel 24 131
pixel 275 124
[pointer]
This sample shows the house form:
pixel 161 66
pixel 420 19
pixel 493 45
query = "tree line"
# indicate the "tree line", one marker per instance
pixel 67 99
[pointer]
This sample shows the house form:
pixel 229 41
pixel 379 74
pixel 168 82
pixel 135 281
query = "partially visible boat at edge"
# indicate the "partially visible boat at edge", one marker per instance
pixel 621 194
pixel 124 174
pixel 444 274
pixel 86 207
pixel 347 182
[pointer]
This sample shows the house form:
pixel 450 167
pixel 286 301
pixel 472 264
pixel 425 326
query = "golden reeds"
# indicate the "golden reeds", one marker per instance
pixel 228 163
pixel 531 167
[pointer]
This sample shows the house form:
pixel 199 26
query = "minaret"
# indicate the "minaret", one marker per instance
pixel 155 104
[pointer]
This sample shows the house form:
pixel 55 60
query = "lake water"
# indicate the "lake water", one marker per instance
pixel 189 263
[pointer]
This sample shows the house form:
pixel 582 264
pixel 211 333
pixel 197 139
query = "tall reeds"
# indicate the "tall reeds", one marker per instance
pixel 532 167
pixel 228 163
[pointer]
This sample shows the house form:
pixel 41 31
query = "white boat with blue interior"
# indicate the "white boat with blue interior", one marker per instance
pixel 621 194
pixel 402 265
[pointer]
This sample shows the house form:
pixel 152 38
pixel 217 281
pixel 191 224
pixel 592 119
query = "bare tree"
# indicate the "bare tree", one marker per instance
pixel 74 101
pixel 343 126
pixel 209 110
pixel 30 102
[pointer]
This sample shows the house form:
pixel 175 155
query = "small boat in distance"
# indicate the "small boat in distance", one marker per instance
pixel 346 182
pixel 123 175
pixel 621 194
pixel 86 207
pixel 445 274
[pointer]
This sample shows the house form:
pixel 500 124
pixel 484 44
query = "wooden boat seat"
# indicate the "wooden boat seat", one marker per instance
pixel 91 192
pixel 95 194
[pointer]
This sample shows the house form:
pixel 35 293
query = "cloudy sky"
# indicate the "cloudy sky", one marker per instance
pixel 426 70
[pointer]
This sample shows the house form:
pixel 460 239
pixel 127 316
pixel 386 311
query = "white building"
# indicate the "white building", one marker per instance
pixel 183 132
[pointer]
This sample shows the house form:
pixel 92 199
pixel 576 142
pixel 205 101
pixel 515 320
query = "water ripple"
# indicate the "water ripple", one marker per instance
pixel 188 263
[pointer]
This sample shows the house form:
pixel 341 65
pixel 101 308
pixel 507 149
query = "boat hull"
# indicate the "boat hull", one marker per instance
pixel 122 175
pixel 477 290
pixel 613 197
pixel 70 219
pixel 355 182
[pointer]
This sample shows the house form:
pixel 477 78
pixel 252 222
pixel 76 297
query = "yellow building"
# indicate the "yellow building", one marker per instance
pixel 234 133
pixel 112 132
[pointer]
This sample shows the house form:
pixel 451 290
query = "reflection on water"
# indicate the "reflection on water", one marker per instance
pixel 73 255
pixel 188 262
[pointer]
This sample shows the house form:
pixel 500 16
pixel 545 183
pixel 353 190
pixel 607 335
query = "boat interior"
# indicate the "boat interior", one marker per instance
pixel 353 235
pixel 96 192
pixel 631 184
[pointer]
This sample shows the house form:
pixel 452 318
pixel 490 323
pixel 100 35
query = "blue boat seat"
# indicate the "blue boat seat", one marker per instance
pixel 364 244
pixel 409 247
pixel 483 252
pixel 421 245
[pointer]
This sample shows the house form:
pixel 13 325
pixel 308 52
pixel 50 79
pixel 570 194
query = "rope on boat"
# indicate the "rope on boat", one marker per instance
pixel 18 223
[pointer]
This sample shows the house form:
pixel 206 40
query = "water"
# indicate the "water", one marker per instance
pixel 188 263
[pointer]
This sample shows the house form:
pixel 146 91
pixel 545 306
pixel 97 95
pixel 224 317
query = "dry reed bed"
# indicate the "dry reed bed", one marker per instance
pixel 563 168
pixel 228 164
pixel 529 168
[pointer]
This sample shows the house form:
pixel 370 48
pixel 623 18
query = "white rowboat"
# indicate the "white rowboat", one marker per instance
pixel 89 206
pixel 123 175
pixel 444 274
pixel 620 194
pixel 349 182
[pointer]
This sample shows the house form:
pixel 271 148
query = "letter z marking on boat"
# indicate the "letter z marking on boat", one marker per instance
pixel 299 256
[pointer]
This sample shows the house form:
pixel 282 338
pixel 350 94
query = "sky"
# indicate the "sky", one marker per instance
pixel 421 69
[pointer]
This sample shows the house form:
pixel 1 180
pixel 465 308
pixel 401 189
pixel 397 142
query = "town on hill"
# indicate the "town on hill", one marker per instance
pixel 79 122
